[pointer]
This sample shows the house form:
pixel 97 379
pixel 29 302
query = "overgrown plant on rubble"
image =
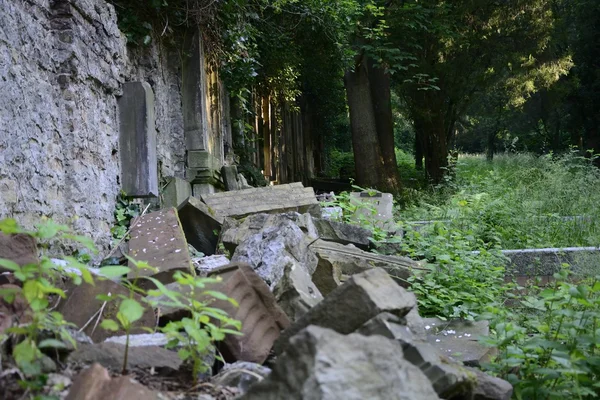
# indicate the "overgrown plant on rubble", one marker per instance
pixel 195 335
pixel 41 327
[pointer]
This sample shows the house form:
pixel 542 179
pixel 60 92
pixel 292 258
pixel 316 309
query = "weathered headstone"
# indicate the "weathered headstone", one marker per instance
pixel 193 94
pixel 375 207
pixel 158 239
pixel 262 319
pixel 229 173
pixel 349 306
pixel 339 232
pixel 200 224
pixel 176 192
pixel 270 199
pixel 137 140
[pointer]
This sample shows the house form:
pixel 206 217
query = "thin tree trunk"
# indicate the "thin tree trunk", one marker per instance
pixel 368 162
pixel 418 149
pixel 381 97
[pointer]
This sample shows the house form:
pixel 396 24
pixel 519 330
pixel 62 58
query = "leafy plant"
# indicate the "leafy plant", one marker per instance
pixel 125 211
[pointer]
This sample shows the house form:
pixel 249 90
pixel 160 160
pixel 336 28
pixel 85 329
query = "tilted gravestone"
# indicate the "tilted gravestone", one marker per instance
pixel 377 208
pixel 176 192
pixel 137 140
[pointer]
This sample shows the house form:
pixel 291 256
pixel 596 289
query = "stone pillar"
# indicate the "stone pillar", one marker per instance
pixel 137 140
pixel 193 95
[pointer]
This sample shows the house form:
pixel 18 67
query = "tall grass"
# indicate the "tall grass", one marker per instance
pixel 519 201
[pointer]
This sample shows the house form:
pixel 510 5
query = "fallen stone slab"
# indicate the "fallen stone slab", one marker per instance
pixel 342 233
pixel 200 225
pixel 270 199
pixel 460 340
pixel 94 383
pixel 295 292
pixel 19 248
pixel 348 307
pixel 321 364
pixel 81 308
pixel 282 242
pixel 175 192
pixel 337 260
pixel 262 319
pixel 241 375
pixel 205 265
pixel 111 356
pixel 158 239
pixel 235 231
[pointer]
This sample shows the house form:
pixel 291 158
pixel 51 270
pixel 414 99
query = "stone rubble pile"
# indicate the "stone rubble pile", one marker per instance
pixel 330 319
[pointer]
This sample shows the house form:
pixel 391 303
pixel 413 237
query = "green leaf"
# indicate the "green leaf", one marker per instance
pixel 131 310
pixel 9 264
pixel 84 240
pixel 109 325
pixel 114 271
pixel 52 343
pixel 9 225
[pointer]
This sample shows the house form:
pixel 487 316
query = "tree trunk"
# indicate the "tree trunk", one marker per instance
pixel 381 97
pixel 418 149
pixel 491 145
pixel 434 139
pixel 368 162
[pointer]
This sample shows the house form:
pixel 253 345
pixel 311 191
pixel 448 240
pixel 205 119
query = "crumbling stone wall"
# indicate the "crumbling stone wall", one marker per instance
pixel 62 66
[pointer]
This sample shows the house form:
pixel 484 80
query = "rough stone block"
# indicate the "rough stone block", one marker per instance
pixel 81 305
pixel 137 140
pixel 295 292
pixel 321 364
pixel 377 207
pixel 176 192
pixel 200 224
pixel 262 319
pixel 207 264
pixel 339 232
pixel 349 306
pixel 351 260
pixel 20 248
pixel 460 340
pixel 158 239
pixel 94 383
pixel 270 199
pixel 229 173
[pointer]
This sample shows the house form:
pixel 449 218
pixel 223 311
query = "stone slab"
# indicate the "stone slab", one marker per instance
pixel 193 94
pixel 81 305
pixel 348 307
pixel 158 239
pixel 137 140
pixel 229 173
pixel 262 319
pixel 377 208
pixel 176 192
pixel 200 224
pixel 270 199
pixel 342 233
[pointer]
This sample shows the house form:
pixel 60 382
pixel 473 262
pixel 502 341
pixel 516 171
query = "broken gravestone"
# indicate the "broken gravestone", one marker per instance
pixel 200 224
pixel 349 306
pixel 295 292
pixel 175 192
pixel 321 364
pixel 270 199
pixel 339 232
pixel 229 173
pixel 374 207
pixel 158 239
pixel 83 309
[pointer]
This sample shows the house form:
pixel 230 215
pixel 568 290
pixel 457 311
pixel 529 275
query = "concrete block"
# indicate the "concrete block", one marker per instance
pixel 349 306
pixel 200 224
pixel 176 192
pixel 158 239
pixel 137 140
pixel 271 199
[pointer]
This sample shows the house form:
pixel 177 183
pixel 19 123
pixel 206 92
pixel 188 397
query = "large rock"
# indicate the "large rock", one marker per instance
pixel 20 248
pixel 296 293
pixel 280 244
pixel 489 387
pixel 342 233
pixel 175 192
pixel 111 356
pixel 95 383
pixel 348 307
pixel 158 239
pixel 460 340
pixel 349 260
pixel 321 364
pixel 204 265
pixel 270 199
pixel 200 224
pixel 81 306
pixel 262 319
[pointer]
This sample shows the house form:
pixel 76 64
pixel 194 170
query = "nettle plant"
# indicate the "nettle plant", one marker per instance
pixel 549 341
pixel 39 283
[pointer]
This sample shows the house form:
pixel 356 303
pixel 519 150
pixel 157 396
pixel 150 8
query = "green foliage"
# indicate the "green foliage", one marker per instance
pixel 40 282
pixel 196 334
pixel 548 341
pixel 339 164
pixel 125 211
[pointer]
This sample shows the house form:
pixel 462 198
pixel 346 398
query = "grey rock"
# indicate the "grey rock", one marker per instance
pixel 282 242
pixel 339 232
pixel 175 192
pixel 140 340
pixel 460 340
pixel 295 292
pixel 489 387
pixel 205 265
pixel 111 355
pixel 324 365
pixel 241 375
pixel 348 307
pixel 230 177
